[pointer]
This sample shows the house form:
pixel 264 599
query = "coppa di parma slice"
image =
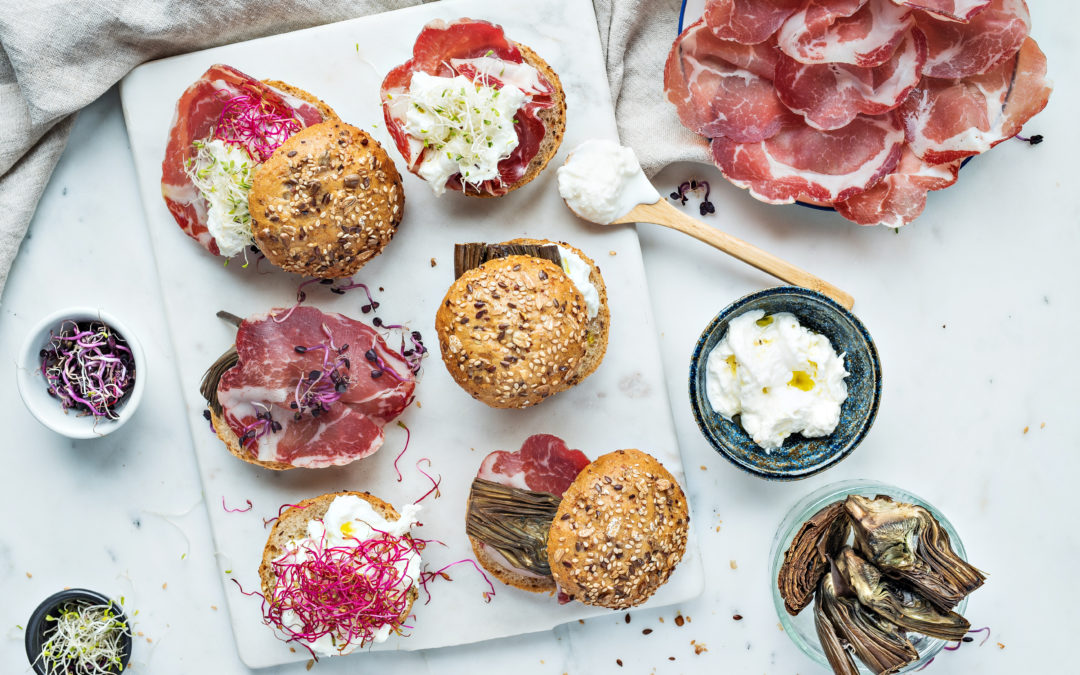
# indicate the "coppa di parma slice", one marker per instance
pixel 226 123
pixel 308 389
pixel 472 110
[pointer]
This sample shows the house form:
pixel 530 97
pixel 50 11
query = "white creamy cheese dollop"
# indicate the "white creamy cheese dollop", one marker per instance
pixel 222 173
pixel 602 181
pixel 780 377
pixel 467 127
pixel 578 270
pixel 350 519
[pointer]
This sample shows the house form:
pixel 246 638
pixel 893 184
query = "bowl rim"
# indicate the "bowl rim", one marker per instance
pixel 697 362
pixel 817 499
pixel 37 619
pixel 54 417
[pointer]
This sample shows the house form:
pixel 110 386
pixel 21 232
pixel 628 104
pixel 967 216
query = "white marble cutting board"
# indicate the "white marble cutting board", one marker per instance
pixel 624 404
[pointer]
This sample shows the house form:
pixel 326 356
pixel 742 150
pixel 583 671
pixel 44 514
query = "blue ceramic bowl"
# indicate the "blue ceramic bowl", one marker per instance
pixel 798 457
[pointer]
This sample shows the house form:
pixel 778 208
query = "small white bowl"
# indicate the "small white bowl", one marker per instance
pixel 47 409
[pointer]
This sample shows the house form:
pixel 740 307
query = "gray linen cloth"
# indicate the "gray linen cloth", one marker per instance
pixel 57 56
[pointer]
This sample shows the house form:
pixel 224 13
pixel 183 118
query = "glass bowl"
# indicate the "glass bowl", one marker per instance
pixel 801 628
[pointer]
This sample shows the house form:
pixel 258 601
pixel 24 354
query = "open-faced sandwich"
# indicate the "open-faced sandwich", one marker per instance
pixel 267 164
pixel 524 320
pixel 473 111
pixel 302 388
pixel 340 572
pixel 606 533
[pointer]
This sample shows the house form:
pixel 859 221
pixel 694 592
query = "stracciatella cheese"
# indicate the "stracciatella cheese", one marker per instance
pixel 578 270
pixel 778 376
pixel 467 127
pixel 602 181
pixel 350 519
pixel 222 173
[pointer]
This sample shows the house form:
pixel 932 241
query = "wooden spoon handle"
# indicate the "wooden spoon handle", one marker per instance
pixel 663 213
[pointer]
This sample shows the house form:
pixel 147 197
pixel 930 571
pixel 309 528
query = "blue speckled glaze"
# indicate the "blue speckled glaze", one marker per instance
pixel 798 457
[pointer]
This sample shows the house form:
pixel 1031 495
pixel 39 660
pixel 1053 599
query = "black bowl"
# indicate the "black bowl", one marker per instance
pixel 35 628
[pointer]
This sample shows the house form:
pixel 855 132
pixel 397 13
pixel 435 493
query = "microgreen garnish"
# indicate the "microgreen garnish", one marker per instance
pixel 228 510
pixel 319 389
pixel 83 638
pixel 428 577
pixel 706 206
pixel 408 436
pixel 958 644
pixel 435 483
pixel 255 124
pixel 1033 140
pixel 89 367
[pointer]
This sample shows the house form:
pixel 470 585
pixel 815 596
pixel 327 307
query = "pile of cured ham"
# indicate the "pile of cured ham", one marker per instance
pixel 862 105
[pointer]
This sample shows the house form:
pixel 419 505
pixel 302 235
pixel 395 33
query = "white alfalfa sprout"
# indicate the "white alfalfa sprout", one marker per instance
pixel 84 639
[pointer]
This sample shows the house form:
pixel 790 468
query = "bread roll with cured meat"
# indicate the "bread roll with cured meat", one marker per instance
pixel 473 111
pixel 607 533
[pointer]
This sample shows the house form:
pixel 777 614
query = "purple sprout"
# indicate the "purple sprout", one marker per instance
pixel 89 367
pixel 706 207
pixel 320 389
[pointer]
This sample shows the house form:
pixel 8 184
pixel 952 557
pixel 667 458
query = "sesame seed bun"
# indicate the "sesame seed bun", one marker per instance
pixel 554 119
pixel 619 532
pixel 292 526
pixel 513 331
pixel 596 338
pixel 232 442
pixel 326 202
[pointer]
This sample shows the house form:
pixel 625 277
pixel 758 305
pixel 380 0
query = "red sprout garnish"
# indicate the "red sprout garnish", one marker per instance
pixel 89 367
pixel 255 124
pixel 923 666
pixel 706 206
pixel 427 577
pixel 961 641
pixel 408 435
pixel 349 592
pixel 1033 140
pixel 281 509
pixel 319 389
pixel 434 483
pixel 228 510
pixel 975 631
pixel 264 424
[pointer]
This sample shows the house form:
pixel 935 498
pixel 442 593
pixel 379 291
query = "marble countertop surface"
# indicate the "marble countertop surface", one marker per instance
pixel 974 309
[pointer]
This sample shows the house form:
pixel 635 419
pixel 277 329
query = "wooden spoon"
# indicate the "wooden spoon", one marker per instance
pixel 663 213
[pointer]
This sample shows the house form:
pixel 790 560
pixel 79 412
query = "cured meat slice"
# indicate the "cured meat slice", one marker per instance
pixel 747 21
pixel 899 197
pixel 946 120
pixel 960 50
pixel 716 93
pixel 827 32
pixel 448 49
pixel 543 464
pixel 826 166
pixel 830 96
pixel 259 395
pixel 197 112
pixel 949 10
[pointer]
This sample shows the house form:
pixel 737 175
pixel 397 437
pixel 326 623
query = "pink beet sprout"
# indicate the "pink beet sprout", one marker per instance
pixel 349 592
pixel 434 483
pixel 228 510
pixel 408 435
pixel 428 577
pixel 984 629
pixel 89 367
pixel 255 124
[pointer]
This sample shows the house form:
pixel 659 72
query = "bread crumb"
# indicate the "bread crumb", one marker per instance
pixel 310 663
pixel 418 404
pixel 213 607
pixel 780 626
pixel 1000 646
pixel 1043 425
pixel 433 262
pixel 679 620
pixel 661 619
pixel 611 252
pixel 717 528
pixel 149 640
pixel 1026 429
pixel 581 621
pixel 699 647
pixel 29 576
pixel 734 566
pixel 704 468
pixel 140 634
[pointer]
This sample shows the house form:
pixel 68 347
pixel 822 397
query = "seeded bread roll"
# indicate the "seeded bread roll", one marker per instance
pixel 513 331
pixel 232 442
pixel 327 112
pixel 596 338
pixel 326 202
pixel 554 119
pixel 292 526
pixel 619 532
